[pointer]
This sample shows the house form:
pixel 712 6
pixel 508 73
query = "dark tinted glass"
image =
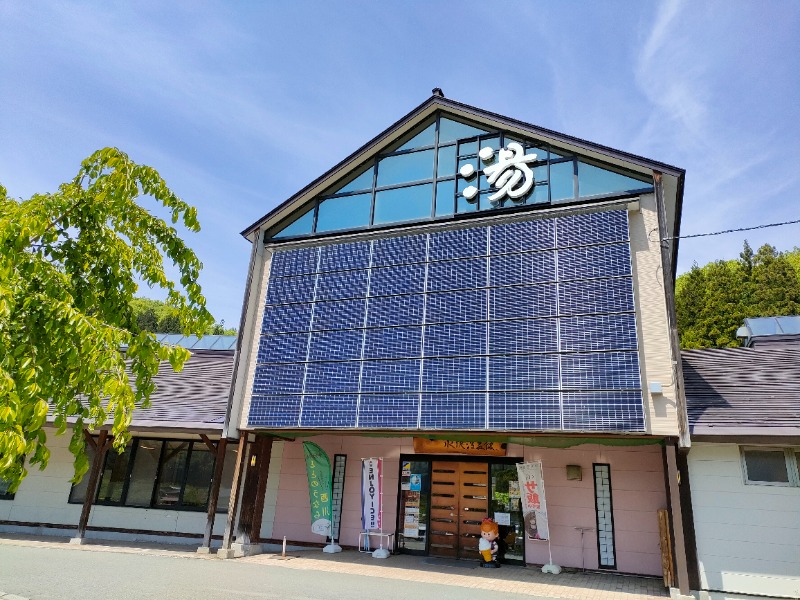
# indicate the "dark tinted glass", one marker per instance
pixel 403 204
pixel 143 475
pixel 173 470
pixel 766 466
pixel 402 168
pixel 344 213
pixel 114 476
pixel 198 479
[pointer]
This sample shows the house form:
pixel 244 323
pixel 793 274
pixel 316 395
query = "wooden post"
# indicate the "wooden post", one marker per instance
pixel 100 447
pixel 264 456
pixel 245 533
pixel 679 544
pixel 216 481
pixel 233 504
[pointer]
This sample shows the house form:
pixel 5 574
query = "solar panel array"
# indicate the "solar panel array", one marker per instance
pixel 518 326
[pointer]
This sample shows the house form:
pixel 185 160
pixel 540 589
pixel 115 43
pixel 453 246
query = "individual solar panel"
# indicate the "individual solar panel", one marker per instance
pixel 283 347
pixel 524 410
pixel 598 332
pixel 521 269
pixel 399 250
pixel 523 236
pixel 274 411
pixel 592 228
pixel 339 314
pixel 284 318
pixel 524 336
pixel 454 374
pixel 342 284
pixel 302 261
pixel 522 302
pixel 465 305
pixel 453 411
pixel 336 377
pixel 395 310
pixel 603 411
pixel 592 262
pixel 402 279
pixel 388 411
pixel 600 371
pixel 393 342
pixel 339 344
pixel 279 378
pixel 343 257
pixel 282 290
pixel 390 376
pixel 458 243
pixel 523 372
pixel 455 339
pixel 322 410
pixel 457 274
pixel 596 296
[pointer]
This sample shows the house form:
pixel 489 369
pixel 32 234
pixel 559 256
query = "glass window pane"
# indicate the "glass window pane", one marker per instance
pixel 766 465
pixel 114 475
pixel 198 480
pixel 413 520
pixel 506 499
pixel 491 142
pixel 422 139
pixel 541 153
pixel 593 181
pixel 362 182
pixel 344 213
pixel 173 469
pixel 449 131
pixel 539 194
pixel 446 161
pixel 224 498
pixel 562 181
pixel 404 204
pixel 465 205
pixel 445 197
pixel 302 225
pixel 403 168
pixel 78 492
pixel 468 148
pixel 143 475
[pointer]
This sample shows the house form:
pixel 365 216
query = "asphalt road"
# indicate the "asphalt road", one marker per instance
pixel 65 574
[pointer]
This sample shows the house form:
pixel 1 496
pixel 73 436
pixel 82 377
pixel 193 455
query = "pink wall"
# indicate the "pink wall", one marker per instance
pixel 637 483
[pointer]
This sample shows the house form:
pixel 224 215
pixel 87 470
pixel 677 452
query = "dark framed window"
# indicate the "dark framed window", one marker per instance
pixel 419 178
pixel 158 473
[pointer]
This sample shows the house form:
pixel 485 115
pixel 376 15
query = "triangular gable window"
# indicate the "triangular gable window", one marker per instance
pixel 446 167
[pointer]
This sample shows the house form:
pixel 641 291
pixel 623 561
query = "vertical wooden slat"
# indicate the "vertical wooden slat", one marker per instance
pixel 216 481
pixel 233 503
pixel 100 447
pixel 665 541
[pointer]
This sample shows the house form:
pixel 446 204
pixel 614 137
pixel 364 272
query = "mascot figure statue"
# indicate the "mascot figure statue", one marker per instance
pixel 488 544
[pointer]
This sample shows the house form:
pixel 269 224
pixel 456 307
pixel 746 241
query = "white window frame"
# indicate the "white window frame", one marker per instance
pixel 789 456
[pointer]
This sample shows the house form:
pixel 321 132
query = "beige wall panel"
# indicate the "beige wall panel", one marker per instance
pixel 654 341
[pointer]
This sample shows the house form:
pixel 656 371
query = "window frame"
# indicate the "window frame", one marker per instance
pixel 133 449
pixel 790 457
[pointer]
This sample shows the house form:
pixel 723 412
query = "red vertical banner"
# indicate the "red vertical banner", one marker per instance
pixel 534 505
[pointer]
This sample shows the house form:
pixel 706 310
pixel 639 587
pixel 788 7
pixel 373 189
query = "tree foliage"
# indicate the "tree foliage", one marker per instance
pixel 160 317
pixel 69 344
pixel 712 301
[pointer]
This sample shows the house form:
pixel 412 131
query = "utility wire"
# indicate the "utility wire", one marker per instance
pixel 696 235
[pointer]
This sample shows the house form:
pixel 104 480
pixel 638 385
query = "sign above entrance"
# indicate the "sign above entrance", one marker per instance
pixel 428 446
pixel 510 175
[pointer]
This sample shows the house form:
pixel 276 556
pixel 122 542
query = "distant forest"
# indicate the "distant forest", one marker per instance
pixel 159 317
pixel 713 300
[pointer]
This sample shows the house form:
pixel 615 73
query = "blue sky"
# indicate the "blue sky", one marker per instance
pixel 239 105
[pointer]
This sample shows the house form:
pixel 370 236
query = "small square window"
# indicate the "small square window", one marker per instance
pixel 770 466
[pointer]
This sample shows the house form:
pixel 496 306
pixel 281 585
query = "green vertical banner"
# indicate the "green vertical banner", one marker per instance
pixel 318 466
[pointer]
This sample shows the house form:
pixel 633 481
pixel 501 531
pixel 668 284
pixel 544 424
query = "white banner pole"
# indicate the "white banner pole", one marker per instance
pixel 380 552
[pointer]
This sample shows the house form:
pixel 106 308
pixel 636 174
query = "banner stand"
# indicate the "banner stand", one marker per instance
pixel 381 552
pixel 550 567
pixel 333 547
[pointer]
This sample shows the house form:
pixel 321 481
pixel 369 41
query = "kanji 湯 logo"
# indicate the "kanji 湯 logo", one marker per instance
pixel 510 175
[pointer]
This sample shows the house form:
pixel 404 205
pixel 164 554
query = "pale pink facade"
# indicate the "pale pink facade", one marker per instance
pixel 637 481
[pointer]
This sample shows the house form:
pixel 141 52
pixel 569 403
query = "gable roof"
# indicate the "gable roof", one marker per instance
pixel 674 176
pixel 743 391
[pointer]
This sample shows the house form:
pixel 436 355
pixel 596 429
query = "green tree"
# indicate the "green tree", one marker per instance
pixel 775 286
pixel 147 320
pixel 171 323
pixel 69 262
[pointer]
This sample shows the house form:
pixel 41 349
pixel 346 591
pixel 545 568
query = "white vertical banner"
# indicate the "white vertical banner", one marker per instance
pixel 371 481
pixel 534 506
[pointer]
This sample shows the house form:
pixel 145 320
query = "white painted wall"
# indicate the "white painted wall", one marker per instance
pixel 748 536
pixel 43 498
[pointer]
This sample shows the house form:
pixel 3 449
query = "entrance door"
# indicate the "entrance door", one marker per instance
pixel 459 502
